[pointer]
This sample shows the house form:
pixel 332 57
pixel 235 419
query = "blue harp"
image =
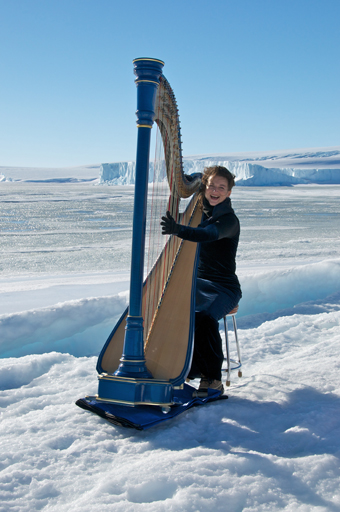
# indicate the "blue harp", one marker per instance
pixel 148 354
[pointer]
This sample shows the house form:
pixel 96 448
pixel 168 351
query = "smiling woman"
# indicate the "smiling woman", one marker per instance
pixel 217 190
pixel 218 290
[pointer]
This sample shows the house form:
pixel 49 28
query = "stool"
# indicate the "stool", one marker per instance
pixel 232 364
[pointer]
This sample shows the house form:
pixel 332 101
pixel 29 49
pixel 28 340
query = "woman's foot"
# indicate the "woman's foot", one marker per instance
pixel 206 383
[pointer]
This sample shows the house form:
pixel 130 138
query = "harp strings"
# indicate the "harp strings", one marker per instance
pixel 162 196
pixel 158 192
pixel 160 249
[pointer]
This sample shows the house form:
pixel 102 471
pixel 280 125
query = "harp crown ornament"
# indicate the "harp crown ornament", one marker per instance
pixel 148 72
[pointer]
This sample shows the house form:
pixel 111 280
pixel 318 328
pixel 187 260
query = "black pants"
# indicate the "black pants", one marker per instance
pixel 212 303
pixel 208 354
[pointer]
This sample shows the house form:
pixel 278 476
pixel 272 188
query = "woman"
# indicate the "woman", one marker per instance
pixel 218 290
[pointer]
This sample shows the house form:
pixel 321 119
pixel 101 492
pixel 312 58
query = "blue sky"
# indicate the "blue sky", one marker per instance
pixel 248 75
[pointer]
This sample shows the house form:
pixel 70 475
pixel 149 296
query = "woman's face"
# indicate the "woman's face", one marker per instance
pixel 217 190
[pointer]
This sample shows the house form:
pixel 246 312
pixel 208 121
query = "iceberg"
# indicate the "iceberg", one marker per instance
pixel 282 168
pixel 276 168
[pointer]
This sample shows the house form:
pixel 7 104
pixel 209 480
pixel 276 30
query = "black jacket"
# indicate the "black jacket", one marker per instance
pixel 218 235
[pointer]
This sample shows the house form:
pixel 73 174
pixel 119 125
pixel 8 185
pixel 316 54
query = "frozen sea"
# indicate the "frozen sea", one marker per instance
pixel 64 279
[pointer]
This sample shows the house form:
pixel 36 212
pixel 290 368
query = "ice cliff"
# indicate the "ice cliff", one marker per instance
pixel 251 169
pixel 290 167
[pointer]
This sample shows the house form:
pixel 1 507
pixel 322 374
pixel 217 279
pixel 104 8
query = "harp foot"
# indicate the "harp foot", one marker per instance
pixel 134 391
pixel 132 362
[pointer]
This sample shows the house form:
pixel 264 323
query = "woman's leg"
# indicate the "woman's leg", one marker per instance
pixel 208 353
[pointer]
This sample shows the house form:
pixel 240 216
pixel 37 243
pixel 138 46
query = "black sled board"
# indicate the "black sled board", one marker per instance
pixel 142 417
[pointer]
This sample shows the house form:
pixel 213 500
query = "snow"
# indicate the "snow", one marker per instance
pixel 80 174
pixel 272 446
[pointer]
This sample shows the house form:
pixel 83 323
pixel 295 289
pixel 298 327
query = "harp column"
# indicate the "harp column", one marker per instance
pixel 148 72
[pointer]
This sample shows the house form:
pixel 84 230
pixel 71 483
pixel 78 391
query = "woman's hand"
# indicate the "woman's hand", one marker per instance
pixel 169 225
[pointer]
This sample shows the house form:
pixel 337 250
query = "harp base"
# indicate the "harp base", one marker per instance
pixel 131 391
pixel 144 416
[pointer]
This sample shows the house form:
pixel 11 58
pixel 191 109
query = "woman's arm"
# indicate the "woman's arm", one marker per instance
pixel 225 227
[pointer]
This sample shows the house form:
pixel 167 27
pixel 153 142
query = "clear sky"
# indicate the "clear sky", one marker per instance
pixel 248 75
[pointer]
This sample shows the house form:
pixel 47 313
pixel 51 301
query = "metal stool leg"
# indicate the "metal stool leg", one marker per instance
pixel 237 363
pixel 227 350
pixel 239 373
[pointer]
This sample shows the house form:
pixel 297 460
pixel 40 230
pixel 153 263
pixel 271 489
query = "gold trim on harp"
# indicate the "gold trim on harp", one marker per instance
pixel 108 376
pixel 148 81
pixel 125 402
pixel 152 60
pixel 144 126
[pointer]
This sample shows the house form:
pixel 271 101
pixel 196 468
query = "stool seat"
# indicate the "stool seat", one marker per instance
pixel 233 311
pixel 232 364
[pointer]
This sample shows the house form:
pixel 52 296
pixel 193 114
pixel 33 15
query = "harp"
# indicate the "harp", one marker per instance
pixel 148 354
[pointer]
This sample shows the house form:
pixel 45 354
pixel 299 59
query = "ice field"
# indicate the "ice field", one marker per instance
pixel 64 274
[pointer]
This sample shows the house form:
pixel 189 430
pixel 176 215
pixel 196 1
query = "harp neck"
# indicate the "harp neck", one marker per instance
pixel 148 72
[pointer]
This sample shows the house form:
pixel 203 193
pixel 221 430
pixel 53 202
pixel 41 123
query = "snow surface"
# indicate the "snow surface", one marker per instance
pixel 272 446
pixel 85 173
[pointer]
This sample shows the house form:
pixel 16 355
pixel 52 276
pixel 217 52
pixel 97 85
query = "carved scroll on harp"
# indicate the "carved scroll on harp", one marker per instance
pixel 167 291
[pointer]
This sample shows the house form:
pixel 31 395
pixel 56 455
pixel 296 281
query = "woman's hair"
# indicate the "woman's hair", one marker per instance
pixel 216 170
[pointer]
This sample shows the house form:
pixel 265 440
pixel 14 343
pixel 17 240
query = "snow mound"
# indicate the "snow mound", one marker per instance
pixel 81 327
